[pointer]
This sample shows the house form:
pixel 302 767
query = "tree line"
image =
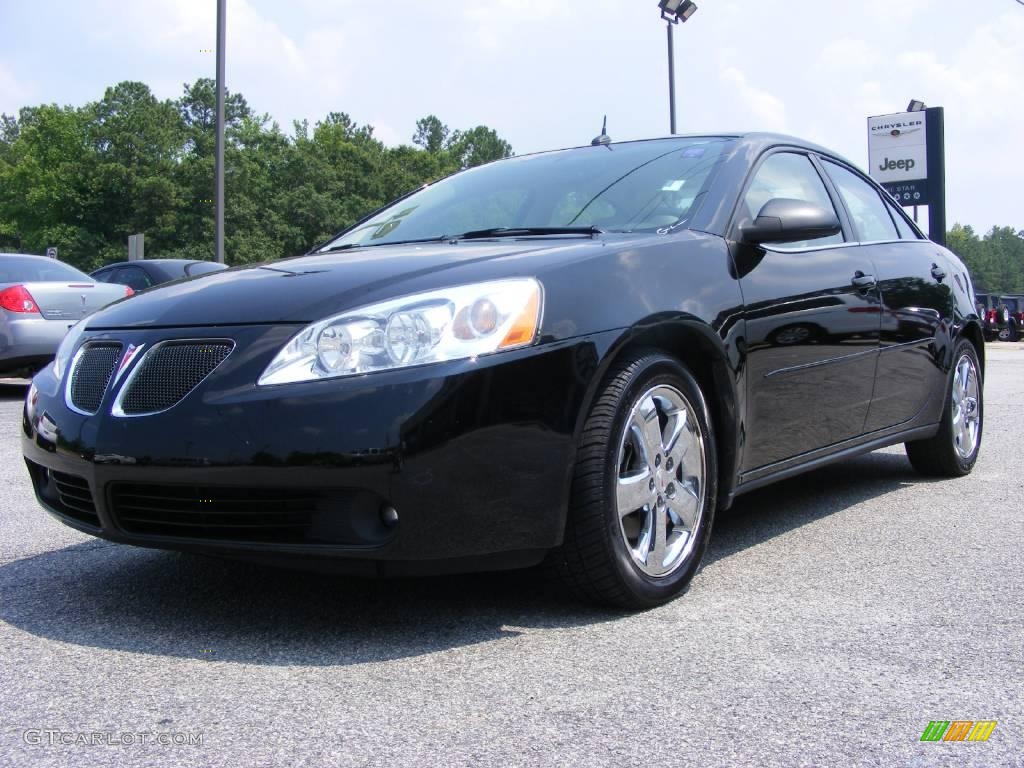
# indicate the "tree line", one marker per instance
pixel 996 260
pixel 85 178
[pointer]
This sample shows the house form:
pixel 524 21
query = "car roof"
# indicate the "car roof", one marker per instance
pixel 754 140
pixel 165 262
pixel 29 256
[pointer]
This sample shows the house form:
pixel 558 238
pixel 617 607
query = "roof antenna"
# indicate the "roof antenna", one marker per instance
pixel 604 139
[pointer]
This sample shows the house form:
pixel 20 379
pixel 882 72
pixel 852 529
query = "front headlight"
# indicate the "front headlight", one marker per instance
pixel 449 324
pixel 67 349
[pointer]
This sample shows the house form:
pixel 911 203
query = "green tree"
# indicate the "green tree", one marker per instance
pixel 85 178
pixel 478 146
pixel 431 134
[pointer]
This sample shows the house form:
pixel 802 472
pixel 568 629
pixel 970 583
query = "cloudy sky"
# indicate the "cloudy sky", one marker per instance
pixel 543 72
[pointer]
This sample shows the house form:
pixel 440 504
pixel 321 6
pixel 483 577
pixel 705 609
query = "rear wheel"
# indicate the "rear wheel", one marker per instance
pixel 643 494
pixel 953 451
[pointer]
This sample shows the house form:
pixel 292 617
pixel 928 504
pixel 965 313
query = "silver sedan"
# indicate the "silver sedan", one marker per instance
pixel 40 299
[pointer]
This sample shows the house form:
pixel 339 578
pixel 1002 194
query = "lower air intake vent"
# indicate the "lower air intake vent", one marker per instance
pixel 68 494
pixel 92 371
pixel 279 515
pixel 169 372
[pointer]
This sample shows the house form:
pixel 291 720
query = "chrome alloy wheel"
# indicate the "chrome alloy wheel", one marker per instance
pixel 966 413
pixel 660 486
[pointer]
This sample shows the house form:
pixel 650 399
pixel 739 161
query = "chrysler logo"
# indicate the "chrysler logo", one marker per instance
pixel 901 132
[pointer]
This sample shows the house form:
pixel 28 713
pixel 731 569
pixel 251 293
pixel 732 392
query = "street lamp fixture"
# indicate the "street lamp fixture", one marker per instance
pixel 916 106
pixel 673 12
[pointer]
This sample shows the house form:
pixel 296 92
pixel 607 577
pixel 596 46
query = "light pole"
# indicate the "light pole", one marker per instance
pixel 218 170
pixel 673 12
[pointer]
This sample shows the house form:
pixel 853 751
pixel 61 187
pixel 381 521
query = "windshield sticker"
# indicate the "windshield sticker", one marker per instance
pixel 674 186
pixel 694 152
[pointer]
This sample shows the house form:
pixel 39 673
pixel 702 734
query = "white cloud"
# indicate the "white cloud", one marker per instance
pixel 13 93
pixel 755 107
pixel 848 53
pixel 493 22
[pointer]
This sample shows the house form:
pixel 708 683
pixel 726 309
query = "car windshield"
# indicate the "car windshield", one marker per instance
pixel 632 187
pixel 21 269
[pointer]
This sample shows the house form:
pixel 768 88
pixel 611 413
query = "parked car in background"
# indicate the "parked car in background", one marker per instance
pixel 145 273
pixel 576 356
pixel 988 311
pixel 1011 317
pixel 40 299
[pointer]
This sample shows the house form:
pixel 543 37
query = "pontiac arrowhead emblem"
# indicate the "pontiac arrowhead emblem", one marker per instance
pixel 129 354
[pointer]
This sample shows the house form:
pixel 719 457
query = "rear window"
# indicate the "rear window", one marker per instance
pixel 203 268
pixel 1012 304
pixel 19 269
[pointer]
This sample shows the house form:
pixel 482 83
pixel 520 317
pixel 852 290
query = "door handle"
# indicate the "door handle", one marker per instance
pixel 938 272
pixel 861 280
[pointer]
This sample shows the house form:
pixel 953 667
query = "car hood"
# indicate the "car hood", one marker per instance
pixel 309 288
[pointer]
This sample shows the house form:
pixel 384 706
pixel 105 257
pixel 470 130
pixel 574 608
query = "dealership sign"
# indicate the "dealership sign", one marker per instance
pixel 906 155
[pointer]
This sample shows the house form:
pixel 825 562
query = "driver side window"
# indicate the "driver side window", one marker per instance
pixel 792 176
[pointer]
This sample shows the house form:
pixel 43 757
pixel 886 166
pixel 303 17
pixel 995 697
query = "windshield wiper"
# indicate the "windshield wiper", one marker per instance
pixel 350 246
pixel 526 231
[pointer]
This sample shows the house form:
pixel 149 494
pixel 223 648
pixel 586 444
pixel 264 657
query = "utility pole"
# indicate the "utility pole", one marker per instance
pixel 671 79
pixel 219 156
pixel 674 12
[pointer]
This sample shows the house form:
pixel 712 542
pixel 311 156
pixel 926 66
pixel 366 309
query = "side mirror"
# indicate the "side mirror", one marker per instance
pixel 782 220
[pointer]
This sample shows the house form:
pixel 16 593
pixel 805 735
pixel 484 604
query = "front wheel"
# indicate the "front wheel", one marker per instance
pixel 643 493
pixel 953 451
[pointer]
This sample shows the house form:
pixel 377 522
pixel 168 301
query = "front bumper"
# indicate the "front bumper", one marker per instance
pixel 475 457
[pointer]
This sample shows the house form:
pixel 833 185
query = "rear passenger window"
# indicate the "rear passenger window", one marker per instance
pixel 868 211
pixel 134 277
pixel 906 231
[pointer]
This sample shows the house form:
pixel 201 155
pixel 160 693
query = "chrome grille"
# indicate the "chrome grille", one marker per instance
pixel 168 372
pixel 94 366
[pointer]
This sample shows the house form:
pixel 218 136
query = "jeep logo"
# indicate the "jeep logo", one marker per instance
pixel 894 165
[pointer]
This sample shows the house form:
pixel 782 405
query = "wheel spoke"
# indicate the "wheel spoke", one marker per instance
pixel 656 556
pixel 648 428
pixel 685 505
pixel 678 443
pixel 643 544
pixel 675 445
pixel 633 491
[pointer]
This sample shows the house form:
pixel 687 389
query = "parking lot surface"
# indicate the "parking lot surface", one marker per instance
pixel 836 615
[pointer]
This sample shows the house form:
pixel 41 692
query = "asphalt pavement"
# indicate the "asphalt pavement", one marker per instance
pixel 837 614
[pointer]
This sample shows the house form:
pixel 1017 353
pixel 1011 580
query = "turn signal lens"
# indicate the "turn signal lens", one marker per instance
pixel 524 329
pixel 16 298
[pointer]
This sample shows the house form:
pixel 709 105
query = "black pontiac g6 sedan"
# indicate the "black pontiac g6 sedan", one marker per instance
pixel 575 356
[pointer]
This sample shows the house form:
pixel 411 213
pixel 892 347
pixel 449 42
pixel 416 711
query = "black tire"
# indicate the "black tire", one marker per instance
pixel 594 561
pixel 937 456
